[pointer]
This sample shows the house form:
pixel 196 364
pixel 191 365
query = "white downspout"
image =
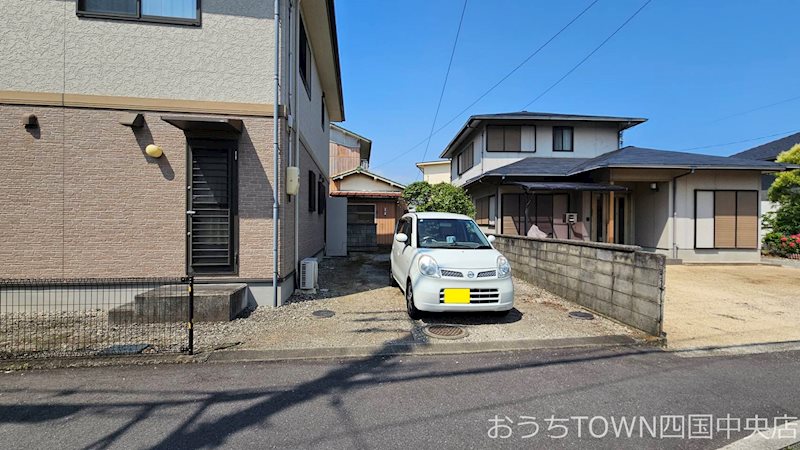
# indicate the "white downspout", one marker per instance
pixel 276 156
pixel 295 137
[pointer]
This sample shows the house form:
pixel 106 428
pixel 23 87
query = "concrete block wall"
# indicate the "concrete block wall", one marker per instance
pixel 618 281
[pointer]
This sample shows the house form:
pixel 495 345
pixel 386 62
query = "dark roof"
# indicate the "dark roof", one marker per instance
pixel 366 194
pixel 538 166
pixel 626 157
pixel 475 122
pixel 637 157
pixel 565 186
pixel 770 150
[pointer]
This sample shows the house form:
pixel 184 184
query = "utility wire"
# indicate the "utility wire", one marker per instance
pixel 498 83
pixel 757 109
pixel 446 76
pixel 580 63
pixel 744 140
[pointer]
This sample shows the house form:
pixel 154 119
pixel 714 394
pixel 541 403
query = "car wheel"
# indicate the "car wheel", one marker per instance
pixel 392 281
pixel 412 310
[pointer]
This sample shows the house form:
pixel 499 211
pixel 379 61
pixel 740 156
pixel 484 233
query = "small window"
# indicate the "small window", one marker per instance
pixel 503 139
pixel 312 191
pixel 322 195
pixel 562 139
pixel 304 58
pixel 492 209
pixel 322 112
pixel 466 159
pixel 170 11
pixel 360 214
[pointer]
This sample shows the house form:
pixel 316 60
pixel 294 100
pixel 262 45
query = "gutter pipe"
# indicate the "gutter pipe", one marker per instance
pixel 276 155
pixel 675 212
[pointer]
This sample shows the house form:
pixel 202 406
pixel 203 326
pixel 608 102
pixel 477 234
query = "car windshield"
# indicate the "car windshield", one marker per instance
pixel 450 233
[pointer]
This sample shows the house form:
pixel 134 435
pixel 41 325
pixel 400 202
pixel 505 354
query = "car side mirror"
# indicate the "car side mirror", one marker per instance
pixel 490 238
pixel 401 237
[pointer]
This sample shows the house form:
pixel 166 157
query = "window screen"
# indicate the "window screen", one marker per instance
pixel 562 139
pixel 466 159
pixel 178 11
pixel 726 219
pixel 361 214
pixel 503 138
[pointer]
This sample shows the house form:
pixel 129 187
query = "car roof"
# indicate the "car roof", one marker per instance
pixel 438 215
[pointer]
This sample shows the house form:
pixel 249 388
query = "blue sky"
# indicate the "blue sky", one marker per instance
pixel 686 65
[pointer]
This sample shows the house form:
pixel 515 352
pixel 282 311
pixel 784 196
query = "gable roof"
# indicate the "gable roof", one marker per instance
pixel 626 157
pixel 365 144
pixel 362 171
pixel 476 121
pixel 770 150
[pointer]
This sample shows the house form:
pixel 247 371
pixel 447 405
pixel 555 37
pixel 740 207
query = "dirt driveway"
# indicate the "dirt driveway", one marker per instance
pixel 363 310
pixel 724 306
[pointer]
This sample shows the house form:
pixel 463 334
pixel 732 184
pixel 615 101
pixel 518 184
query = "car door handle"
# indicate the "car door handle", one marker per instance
pixel 191 213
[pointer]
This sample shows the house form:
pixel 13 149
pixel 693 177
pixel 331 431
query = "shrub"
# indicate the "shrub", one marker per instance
pixel 442 197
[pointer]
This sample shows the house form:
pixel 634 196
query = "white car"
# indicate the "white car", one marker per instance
pixel 444 262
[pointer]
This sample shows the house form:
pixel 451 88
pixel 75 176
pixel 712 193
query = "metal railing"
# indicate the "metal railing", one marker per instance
pixel 95 317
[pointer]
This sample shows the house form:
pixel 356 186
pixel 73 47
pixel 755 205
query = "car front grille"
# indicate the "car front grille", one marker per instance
pixel 487 273
pixel 452 274
pixel 478 296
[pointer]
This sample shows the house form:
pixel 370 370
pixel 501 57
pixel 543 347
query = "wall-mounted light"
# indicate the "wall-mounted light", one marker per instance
pixel 30 121
pixel 654 186
pixel 153 151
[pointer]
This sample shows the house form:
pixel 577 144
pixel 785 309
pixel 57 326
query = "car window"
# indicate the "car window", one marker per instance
pixel 406 228
pixel 450 233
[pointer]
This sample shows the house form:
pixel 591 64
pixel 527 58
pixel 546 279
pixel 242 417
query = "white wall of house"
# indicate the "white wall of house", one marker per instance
pixel 47 48
pixel 365 183
pixel 589 140
pixel 436 173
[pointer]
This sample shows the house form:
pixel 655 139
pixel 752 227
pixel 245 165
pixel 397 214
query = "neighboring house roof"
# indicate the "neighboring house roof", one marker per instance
pixel 770 150
pixel 365 144
pixel 433 163
pixel 475 121
pixel 363 194
pixel 320 21
pixel 362 171
pixel 626 157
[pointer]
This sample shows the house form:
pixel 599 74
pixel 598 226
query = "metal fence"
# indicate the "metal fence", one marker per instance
pixel 95 317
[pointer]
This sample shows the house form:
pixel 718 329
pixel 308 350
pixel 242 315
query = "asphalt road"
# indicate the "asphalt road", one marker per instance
pixel 396 402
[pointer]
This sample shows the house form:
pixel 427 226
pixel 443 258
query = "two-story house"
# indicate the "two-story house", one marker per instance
pixel 149 138
pixel 567 177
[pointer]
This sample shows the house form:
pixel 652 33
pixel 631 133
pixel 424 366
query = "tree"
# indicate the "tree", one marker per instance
pixel 785 191
pixel 442 197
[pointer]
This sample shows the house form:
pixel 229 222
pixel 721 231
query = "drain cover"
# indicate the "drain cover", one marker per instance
pixel 445 331
pixel 323 313
pixel 581 315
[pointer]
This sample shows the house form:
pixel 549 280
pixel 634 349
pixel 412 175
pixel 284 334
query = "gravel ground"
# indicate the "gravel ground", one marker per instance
pixel 366 312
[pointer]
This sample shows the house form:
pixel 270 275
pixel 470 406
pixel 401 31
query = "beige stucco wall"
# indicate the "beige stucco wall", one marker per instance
pixel 436 173
pixel 47 48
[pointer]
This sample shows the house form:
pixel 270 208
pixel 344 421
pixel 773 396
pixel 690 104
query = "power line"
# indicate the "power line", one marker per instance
pixel 498 83
pixel 580 63
pixel 742 141
pixel 757 109
pixel 446 76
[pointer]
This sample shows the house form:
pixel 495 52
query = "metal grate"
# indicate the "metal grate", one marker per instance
pixel 445 331
pixel 487 273
pixel 452 273
pixel 210 215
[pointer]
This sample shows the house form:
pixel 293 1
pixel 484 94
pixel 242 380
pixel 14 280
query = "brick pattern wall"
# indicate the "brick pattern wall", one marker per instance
pixel 81 198
pixel 618 281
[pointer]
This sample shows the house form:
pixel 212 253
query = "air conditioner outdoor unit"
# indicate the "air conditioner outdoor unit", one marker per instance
pixel 308 274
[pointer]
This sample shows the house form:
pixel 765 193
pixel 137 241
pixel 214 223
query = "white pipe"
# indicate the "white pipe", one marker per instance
pixel 276 156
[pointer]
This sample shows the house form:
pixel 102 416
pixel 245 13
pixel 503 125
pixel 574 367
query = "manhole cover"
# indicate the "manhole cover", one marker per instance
pixel 445 331
pixel 581 315
pixel 323 313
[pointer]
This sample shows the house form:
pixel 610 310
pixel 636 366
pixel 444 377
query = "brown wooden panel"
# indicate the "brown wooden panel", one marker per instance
pixel 386 218
pixel 510 212
pixel 746 219
pixel 725 219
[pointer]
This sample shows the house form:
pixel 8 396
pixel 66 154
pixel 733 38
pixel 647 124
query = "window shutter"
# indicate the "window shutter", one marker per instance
pixel 746 219
pixel 704 219
pixel 511 217
pixel 513 139
pixel 725 219
pixel 494 139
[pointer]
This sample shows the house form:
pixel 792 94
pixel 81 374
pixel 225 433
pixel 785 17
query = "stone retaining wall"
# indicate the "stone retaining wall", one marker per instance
pixel 619 281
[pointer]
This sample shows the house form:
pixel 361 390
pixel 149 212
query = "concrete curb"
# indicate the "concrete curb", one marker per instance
pixel 104 361
pixel 419 349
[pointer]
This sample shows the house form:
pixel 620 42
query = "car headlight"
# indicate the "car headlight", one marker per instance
pixel 503 267
pixel 428 266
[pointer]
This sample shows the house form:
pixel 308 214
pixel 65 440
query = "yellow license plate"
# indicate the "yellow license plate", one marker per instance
pixel 456 295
